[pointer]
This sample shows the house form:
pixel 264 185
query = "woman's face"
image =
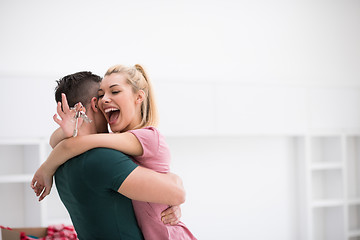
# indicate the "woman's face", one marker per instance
pixel 119 103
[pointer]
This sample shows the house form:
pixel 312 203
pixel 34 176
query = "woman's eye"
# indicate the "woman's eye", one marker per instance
pixel 100 96
pixel 115 92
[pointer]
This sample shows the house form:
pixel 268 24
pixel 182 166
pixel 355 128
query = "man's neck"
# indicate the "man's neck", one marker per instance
pixel 87 128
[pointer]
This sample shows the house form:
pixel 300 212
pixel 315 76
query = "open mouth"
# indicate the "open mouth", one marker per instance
pixel 112 114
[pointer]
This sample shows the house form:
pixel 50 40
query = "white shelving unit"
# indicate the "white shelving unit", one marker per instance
pixel 331 173
pixel 19 160
pixel 353 187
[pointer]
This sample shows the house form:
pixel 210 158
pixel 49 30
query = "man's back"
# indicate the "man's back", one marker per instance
pixel 88 184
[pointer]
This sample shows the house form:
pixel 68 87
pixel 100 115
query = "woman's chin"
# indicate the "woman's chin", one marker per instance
pixel 116 128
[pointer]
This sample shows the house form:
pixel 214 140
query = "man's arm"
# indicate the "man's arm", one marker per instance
pixel 146 185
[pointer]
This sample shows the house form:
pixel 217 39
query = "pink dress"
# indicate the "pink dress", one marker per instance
pixel 156 156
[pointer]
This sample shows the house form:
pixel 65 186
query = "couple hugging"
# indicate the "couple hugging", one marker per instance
pixel 114 185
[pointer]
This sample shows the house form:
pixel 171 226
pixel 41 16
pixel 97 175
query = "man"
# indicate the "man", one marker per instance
pixel 89 184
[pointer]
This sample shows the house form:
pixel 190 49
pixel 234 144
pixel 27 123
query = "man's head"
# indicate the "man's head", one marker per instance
pixel 82 87
pixel 78 87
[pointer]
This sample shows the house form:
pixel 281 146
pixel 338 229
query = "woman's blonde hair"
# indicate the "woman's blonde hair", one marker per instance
pixel 138 79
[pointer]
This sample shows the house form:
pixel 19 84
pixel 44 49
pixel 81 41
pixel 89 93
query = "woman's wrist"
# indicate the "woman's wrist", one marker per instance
pixel 48 168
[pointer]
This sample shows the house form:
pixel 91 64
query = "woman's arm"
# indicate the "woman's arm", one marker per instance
pixel 171 215
pixel 69 148
pixel 57 136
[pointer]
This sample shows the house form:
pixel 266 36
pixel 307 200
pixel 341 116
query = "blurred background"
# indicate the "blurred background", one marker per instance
pixel 259 102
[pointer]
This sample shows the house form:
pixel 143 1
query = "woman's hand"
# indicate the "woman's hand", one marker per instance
pixel 67 115
pixel 42 182
pixel 171 215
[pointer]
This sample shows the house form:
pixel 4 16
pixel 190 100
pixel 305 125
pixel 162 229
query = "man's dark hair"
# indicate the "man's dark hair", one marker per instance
pixel 78 87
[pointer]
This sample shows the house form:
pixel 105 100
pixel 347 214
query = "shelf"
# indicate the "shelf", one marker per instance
pixel 328 223
pixel 328 203
pixel 326 166
pixel 354 238
pixel 326 149
pixel 354 201
pixel 19 206
pixel 354 218
pixel 327 185
pixel 21 141
pixel 17 178
pixel 21 158
pixel 353 234
pixel 353 162
pixel 24 158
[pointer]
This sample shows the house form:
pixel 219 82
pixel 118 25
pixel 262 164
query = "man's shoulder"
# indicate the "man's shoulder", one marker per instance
pixel 105 153
pixel 105 156
pixel 106 167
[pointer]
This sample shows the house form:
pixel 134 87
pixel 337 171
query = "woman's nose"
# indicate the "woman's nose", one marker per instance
pixel 105 99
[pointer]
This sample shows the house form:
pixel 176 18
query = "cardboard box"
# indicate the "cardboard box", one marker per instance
pixel 14 234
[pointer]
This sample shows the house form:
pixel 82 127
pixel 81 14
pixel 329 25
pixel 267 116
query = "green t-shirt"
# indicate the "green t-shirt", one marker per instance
pixel 88 184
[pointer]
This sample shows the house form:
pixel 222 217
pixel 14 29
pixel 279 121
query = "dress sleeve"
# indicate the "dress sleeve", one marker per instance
pixel 156 153
pixel 149 140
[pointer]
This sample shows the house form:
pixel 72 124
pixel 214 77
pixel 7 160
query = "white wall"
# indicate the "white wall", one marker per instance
pixel 253 41
pixel 236 81
pixel 238 187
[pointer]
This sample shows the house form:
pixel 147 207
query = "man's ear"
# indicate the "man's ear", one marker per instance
pixel 94 104
pixel 140 96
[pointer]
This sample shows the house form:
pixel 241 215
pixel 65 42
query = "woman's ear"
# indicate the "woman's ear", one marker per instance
pixel 140 96
pixel 94 104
